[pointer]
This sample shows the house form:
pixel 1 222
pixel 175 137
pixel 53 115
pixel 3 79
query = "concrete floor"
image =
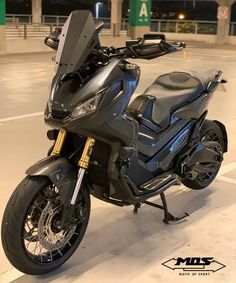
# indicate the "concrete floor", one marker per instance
pixel 118 246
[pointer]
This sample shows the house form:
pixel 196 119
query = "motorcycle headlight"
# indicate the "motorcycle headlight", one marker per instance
pixel 87 106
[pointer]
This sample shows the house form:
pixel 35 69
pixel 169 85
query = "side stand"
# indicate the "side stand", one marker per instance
pixel 167 215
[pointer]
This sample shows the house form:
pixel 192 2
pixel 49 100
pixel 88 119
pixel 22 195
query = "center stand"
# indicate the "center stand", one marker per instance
pixel 167 215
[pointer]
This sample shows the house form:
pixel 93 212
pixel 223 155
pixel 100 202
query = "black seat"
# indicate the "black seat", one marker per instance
pixel 169 92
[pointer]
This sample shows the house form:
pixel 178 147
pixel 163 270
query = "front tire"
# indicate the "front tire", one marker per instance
pixel 31 235
pixel 210 131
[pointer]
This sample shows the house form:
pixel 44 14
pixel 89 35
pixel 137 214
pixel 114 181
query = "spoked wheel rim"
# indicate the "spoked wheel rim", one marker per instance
pixel 43 238
pixel 208 176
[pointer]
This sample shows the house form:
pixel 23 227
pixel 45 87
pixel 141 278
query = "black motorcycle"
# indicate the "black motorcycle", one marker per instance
pixel 118 152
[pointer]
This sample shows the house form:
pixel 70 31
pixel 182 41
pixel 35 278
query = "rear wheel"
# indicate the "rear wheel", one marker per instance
pixel 32 237
pixel 210 131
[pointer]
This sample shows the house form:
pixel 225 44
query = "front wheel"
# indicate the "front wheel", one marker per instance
pixel 211 132
pixel 32 238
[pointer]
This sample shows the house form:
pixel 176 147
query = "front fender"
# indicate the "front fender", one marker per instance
pixel 59 170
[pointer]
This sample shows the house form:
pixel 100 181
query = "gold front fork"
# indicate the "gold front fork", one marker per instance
pixel 83 165
pixel 59 142
pixel 84 160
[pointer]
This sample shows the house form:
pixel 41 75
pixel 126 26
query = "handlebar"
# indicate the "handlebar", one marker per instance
pixel 149 47
pixel 146 49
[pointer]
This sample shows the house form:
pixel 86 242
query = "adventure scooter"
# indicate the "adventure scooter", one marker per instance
pixel 118 152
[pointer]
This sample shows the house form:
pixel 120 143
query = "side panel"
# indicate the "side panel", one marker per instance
pixel 143 168
pixel 195 109
pixel 149 142
pixel 164 158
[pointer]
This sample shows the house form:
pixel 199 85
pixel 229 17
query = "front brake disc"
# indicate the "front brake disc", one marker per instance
pixel 49 239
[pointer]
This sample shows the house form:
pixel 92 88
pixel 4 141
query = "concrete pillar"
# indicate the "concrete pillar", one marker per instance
pixel 139 17
pixel 223 25
pixel 116 16
pixel 2 27
pixel 37 12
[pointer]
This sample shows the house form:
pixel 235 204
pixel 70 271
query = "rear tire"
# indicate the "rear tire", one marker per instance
pixel 212 132
pixel 24 208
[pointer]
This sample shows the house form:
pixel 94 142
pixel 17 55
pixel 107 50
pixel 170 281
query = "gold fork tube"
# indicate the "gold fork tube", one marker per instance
pixel 59 142
pixel 84 160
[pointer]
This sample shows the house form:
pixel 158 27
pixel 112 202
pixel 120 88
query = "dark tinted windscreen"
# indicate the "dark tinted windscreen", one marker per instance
pixel 78 38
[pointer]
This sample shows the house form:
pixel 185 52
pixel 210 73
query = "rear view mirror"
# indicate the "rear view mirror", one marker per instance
pixel 52 40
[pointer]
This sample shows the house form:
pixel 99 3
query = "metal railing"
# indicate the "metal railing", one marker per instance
pixel 232 30
pixel 174 26
pixel 20 26
pixel 55 20
pixel 26 31
pixel 27 19
pixel 17 19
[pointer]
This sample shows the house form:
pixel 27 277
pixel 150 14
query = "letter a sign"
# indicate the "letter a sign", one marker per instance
pixel 143 10
pixel 140 12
